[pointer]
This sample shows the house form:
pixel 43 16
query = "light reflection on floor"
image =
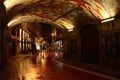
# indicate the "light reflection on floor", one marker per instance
pixel 41 67
pixel 26 68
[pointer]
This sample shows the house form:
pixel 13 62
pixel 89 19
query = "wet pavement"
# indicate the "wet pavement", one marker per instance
pixel 43 66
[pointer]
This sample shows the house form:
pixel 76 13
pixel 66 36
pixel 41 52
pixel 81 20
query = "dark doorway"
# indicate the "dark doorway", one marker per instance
pixel 89 44
pixel 14 48
pixel 73 47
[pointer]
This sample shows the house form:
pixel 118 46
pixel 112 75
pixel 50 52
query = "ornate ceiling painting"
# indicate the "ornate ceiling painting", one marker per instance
pixel 50 10
pixel 102 9
pixel 54 10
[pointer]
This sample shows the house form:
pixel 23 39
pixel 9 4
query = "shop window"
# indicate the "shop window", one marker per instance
pixel 112 46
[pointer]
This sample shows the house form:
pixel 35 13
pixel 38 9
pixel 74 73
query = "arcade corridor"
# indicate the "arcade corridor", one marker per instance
pixel 80 34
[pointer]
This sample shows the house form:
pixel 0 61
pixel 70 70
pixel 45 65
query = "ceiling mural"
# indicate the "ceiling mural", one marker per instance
pixel 11 3
pixel 51 10
pixel 54 10
pixel 102 9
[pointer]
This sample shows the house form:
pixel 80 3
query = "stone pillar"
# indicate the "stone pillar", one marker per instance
pixel 2 35
pixel 65 45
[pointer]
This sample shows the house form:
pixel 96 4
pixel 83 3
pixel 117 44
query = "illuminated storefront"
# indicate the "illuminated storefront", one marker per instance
pixel 24 41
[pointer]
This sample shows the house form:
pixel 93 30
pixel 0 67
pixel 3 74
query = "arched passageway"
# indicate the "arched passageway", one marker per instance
pixel 90 44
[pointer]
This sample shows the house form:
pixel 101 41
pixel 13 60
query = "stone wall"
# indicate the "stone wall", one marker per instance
pixel 2 35
pixel 110 43
pixel 109 33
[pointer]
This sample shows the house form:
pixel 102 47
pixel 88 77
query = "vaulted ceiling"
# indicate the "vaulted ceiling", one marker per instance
pixel 59 12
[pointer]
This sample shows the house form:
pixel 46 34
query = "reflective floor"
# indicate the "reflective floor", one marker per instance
pixel 44 67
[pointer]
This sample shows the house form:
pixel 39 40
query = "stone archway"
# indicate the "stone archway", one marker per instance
pixel 90 44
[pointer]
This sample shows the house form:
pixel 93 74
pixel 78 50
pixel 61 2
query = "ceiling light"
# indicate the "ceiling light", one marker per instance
pixel 107 20
pixel 69 30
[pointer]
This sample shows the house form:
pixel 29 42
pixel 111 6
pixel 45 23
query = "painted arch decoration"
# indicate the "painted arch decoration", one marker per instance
pixel 57 9
pixel 101 9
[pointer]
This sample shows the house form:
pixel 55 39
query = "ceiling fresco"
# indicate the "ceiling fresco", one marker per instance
pixel 100 9
pixel 53 10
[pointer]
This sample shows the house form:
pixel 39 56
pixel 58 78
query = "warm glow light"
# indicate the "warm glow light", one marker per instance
pixel 42 58
pixel 11 3
pixel 12 22
pixel 20 19
pixel 27 18
pixel 20 34
pixel 20 38
pixel 70 30
pixel 26 70
pixel 37 46
pixel 106 20
pixel 66 23
pixel 104 13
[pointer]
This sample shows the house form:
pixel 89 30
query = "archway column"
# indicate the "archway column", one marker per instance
pixel 66 54
pixel 2 35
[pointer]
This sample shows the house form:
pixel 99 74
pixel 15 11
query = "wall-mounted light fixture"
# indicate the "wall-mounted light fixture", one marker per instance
pixel 69 30
pixel 107 20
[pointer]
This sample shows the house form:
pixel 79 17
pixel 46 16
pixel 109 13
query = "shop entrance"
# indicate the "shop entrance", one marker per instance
pixel 90 44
